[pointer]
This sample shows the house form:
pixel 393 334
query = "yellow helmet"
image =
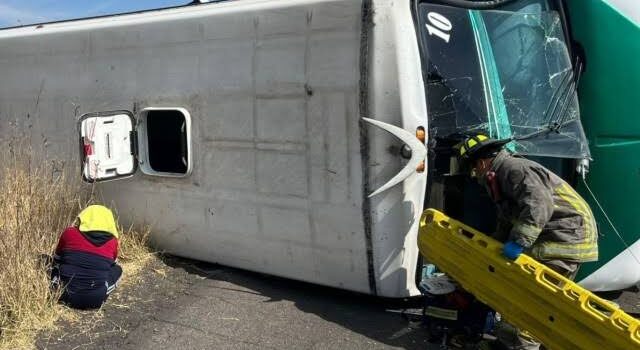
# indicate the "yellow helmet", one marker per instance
pixel 477 145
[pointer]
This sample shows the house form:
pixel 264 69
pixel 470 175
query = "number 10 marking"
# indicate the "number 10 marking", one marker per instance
pixel 439 26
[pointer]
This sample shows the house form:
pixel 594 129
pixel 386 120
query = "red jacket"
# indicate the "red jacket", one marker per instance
pixel 72 240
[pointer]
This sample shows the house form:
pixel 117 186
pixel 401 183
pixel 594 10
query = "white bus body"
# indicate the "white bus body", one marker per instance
pixel 266 164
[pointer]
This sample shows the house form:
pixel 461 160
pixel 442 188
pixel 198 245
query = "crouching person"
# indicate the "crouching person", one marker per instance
pixel 85 259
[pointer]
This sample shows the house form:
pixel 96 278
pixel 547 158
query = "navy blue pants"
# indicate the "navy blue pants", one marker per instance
pixel 84 294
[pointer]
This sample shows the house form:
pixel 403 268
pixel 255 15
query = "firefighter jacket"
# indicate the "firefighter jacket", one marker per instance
pixel 540 211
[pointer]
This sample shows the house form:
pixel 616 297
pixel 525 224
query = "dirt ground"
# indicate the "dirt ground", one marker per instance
pixel 182 304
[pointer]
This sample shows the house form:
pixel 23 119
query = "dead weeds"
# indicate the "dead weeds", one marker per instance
pixel 36 204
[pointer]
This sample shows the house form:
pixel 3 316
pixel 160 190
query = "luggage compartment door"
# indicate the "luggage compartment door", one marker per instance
pixel 108 145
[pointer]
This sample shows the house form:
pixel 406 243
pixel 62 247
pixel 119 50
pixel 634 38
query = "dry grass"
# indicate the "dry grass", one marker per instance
pixel 36 204
pixel 134 253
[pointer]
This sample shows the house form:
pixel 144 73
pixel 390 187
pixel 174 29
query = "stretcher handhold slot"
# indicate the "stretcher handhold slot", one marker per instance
pixel 466 233
pixel 602 310
pixel 572 294
pixel 427 219
pixel 550 279
pixel 529 269
pixel 619 322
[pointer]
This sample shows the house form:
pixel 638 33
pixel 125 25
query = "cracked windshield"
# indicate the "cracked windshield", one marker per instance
pixel 517 83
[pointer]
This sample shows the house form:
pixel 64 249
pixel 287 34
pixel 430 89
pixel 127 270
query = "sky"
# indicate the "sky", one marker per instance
pixel 21 12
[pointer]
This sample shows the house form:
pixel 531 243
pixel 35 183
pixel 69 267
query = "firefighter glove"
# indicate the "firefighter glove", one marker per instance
pixel 511 250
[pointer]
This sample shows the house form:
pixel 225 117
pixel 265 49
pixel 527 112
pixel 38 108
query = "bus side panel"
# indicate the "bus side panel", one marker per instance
pixel 273 91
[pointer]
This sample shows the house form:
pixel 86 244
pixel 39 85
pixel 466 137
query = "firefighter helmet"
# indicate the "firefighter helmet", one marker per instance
pixel 478 146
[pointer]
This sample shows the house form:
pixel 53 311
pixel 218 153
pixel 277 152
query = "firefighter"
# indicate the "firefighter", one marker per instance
pixel 538 214
pixel 85 259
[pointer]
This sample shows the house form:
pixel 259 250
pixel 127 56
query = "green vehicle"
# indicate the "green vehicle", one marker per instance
pixel 609 31
pixel 560 78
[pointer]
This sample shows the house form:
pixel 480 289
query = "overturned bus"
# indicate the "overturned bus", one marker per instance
pixel 236 128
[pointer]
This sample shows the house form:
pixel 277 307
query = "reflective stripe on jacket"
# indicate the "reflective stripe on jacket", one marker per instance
pixel 541 212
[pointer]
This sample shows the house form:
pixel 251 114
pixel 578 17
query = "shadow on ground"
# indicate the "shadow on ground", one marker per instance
pixel 391 322
pixel 183 304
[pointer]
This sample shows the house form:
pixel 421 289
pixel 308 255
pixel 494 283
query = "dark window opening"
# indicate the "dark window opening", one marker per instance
pixel 167 141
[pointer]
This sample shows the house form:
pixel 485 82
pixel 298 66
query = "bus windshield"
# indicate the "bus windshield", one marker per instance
pixel 505 74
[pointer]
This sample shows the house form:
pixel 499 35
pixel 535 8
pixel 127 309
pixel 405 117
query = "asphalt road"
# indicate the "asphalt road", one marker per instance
pixel 186 305
pixel 182 304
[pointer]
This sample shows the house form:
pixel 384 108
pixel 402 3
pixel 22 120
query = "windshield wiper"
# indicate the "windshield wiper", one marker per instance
pixel 555 99
pixel 571 97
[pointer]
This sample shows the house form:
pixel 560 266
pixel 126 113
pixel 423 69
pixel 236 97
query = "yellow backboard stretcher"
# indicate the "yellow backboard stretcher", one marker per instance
pixel 529 295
